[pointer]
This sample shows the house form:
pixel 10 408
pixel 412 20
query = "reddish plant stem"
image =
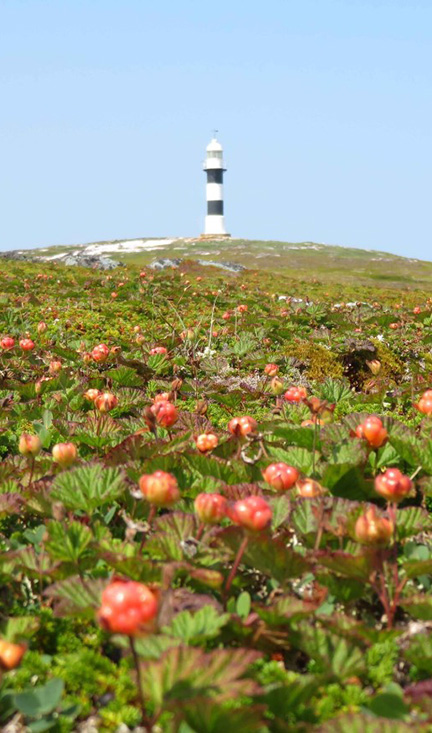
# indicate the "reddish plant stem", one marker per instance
pixel 201 529
pixel 234 568
pixel 145 720
pixel 32 465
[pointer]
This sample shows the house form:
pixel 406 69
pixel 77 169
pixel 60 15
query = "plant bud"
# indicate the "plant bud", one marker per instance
pixel 42 327
pixel 375 366
pixel 55 367
pixel 64 454
pixel 210 508
pixel 372 529
pixel 309 489
pixel 29 444
pixel 277 386
pixel 160 488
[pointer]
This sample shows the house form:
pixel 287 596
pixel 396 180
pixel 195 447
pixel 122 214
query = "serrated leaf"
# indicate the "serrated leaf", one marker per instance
pixel 194 628
pixel 411 521
pixel 124 377
pixel 300 458
pixel 338 657
pixel 88 488
pixel 358 567
pixel 415 568
pixel 76 595
pixel 68 543
pixel 186 672
pixel 205 716
pixel 363 723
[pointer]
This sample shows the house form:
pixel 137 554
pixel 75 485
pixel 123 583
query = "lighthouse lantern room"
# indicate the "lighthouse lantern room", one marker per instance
pixel 214 167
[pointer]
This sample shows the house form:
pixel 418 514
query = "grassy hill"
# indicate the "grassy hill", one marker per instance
pixel 304 260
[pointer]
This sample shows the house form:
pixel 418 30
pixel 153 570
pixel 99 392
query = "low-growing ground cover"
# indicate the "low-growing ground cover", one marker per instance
pixel 214 502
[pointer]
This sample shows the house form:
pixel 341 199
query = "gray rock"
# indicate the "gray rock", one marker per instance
pixel 164 262
pixel 230 266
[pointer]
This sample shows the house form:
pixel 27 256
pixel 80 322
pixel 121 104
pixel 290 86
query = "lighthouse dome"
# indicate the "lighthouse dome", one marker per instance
pixel 214 146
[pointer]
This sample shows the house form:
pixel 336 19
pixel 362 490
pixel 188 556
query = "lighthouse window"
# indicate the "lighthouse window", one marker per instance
pixel 214 154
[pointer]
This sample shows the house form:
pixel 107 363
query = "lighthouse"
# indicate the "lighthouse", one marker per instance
pixel 214 167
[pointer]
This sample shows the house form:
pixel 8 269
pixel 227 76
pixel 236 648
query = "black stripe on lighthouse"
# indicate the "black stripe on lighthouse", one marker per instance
pixel 215 208
pixel 215 175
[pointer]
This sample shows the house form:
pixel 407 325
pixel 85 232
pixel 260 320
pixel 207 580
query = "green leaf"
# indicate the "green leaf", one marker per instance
pixel 357 567
pixel 419 653
pixel 363 723
pixel 389 706
pixel 243 605
pixel 411 521
pixel 76 596
pixel 300 458
pixel 414 568
pixel 194 628
pixel 338 657
pixel 68 543
pixel 295 436
pixel 205 716
pixel 273 558
pixel 186 672
pixel 280 506
pixel 89 487
pixel 124 377
pixel 419 606
pixel 16 628
pixel 40 700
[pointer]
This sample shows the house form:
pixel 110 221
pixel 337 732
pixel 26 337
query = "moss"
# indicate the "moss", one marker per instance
pixel 318 361
pixel 392 367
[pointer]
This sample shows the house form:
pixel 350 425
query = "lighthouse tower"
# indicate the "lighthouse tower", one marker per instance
pixel 214 167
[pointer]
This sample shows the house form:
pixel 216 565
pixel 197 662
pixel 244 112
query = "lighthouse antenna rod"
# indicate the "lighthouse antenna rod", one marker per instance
pixel 215 132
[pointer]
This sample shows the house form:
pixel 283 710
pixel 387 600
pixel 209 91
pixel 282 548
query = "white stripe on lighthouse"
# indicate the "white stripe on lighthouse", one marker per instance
pixel 214 192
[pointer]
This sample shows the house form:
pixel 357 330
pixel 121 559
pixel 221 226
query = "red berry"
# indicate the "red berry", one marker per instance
pixel 393 485
pixel 11 654
pixel 127 607
pixel 424 404
pixel 158 350
pixel 271 369
pixel 373 431
pixel 206 442
pixel 166 413
pixel 160 488
pixel 251 513
pixel 281 476
pixel 210 508
pixel 100 353
pixel 242 425
pixel 7 343
pixel 371 529
pixel 91 394
pixel 26 344
pixel 295 394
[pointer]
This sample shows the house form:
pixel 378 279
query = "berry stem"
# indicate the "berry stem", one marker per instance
pixel 234 568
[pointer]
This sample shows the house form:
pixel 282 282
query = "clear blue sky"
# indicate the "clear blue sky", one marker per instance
pixel 324 110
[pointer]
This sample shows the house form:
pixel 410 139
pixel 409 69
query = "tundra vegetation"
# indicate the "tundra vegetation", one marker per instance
pixel 215 496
